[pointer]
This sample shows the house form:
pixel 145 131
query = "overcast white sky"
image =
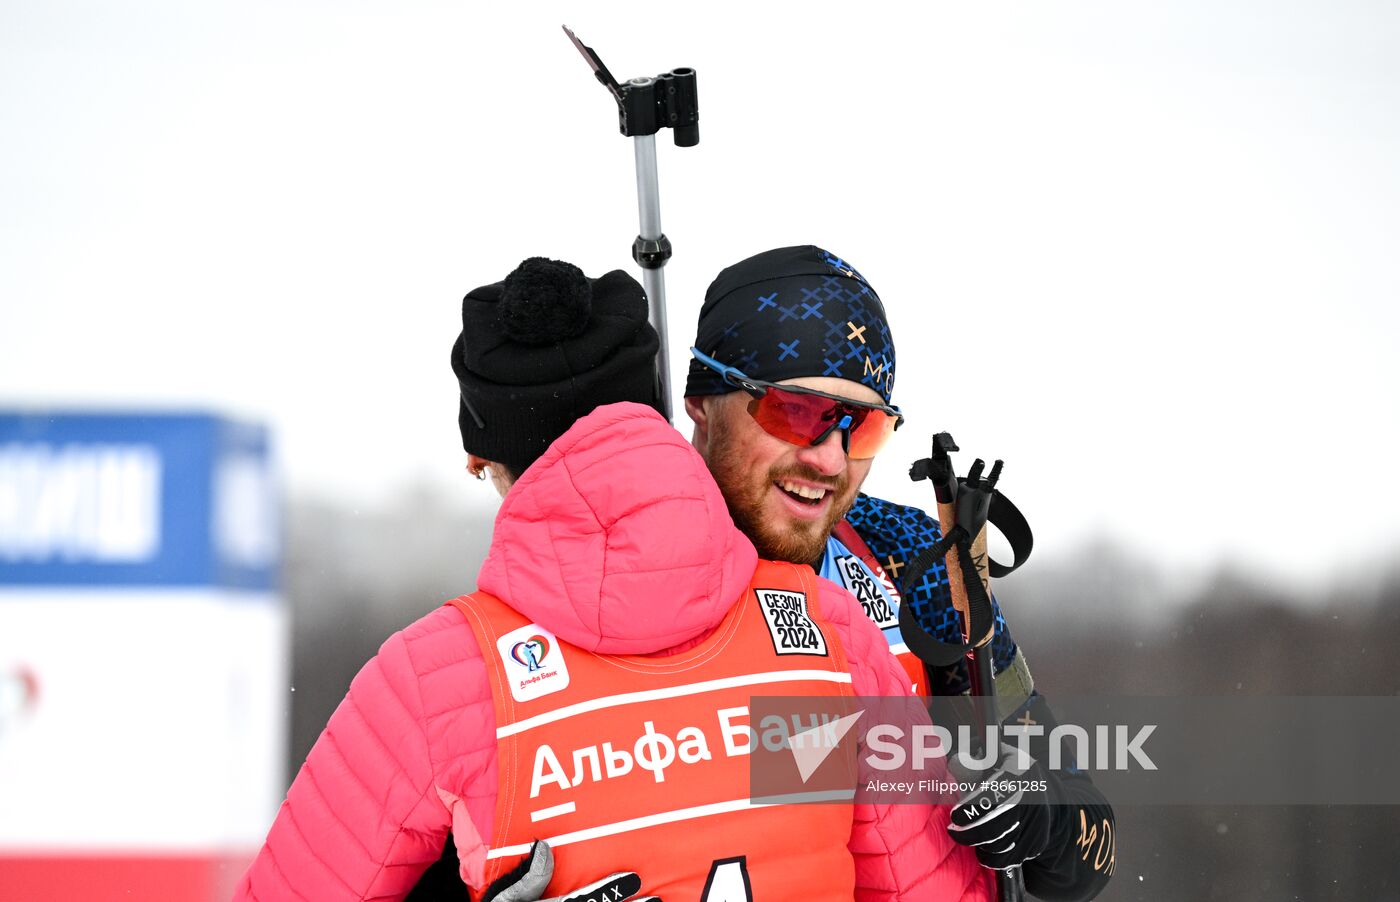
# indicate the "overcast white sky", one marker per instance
pixel 1145 252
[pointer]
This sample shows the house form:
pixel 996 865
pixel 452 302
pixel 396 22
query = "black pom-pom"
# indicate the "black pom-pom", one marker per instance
pixel 545 301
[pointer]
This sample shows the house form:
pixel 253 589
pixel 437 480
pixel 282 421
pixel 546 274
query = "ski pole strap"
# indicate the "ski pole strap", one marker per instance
pixel 981 618
pixel 1011 523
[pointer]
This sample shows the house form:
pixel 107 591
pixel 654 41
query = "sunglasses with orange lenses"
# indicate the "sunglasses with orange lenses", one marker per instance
pixel 805 416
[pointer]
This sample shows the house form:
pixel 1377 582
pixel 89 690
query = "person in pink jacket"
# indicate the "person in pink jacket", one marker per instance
pixel 613 536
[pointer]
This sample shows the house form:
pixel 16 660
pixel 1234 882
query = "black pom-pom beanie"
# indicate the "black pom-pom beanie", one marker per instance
pixel 543 348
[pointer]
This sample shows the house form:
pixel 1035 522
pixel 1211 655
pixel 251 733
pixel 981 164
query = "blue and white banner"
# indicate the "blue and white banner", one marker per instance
pixel 141 499
pixel 144 668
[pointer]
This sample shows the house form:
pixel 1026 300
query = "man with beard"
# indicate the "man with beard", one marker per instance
pixel 790 394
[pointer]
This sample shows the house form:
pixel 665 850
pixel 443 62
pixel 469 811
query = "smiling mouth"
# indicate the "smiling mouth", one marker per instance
pixel 803 494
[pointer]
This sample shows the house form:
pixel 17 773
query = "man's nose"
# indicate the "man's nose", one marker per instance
pixel 827 458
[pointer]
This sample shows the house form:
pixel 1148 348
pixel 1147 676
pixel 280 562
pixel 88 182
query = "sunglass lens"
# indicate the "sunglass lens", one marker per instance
pixel 802 419
pixel 870 435
pixel 792 417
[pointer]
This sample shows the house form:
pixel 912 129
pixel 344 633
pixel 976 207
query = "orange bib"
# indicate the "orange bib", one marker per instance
pixel 634 763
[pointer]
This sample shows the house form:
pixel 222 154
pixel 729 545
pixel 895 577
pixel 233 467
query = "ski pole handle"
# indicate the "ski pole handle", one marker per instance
pixel 957 585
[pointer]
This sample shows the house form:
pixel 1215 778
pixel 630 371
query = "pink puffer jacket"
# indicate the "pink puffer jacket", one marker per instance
pixel 618 541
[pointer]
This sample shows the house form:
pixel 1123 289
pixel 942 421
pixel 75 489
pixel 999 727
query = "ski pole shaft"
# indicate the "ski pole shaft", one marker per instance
pixel 644 107
pixel 648 190
pixel 649 233
pixel 967 535
pixel 1010 882
pixel 981 673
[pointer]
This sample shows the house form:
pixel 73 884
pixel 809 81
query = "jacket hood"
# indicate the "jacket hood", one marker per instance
pixel 617 540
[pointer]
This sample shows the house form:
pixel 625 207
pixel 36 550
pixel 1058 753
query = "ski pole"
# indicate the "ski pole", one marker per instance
pixel 644 107
pixel 965 505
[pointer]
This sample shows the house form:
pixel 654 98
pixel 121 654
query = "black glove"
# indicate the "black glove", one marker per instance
pixel 1009 817
pixel 527 882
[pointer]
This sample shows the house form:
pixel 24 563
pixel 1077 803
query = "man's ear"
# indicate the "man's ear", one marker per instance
pixel 699 414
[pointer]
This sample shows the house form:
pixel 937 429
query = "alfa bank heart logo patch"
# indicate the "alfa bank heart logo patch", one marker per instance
pixel 531 652
pixel 535 664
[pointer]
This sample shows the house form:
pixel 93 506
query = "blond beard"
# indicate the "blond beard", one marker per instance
pixel 805 543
